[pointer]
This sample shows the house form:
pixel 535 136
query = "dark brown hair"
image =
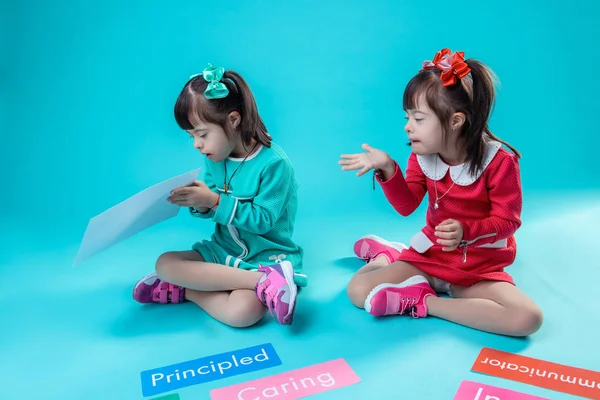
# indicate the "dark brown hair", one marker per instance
pixel 192 105
pixel 473 95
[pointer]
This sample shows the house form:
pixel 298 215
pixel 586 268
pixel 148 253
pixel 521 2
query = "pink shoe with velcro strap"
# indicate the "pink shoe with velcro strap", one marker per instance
pixel 151 289
pixel 277 291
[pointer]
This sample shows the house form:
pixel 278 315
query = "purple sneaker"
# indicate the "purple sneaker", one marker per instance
pixel 151 289
pixel 276 290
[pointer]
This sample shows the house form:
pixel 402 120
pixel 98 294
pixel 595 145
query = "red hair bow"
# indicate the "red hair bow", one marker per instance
pixel 452 65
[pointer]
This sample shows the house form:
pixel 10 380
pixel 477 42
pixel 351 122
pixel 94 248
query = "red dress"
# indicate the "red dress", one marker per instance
pixel 488 206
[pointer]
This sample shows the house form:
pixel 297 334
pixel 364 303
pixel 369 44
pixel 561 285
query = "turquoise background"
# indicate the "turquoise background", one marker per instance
pixel 86 111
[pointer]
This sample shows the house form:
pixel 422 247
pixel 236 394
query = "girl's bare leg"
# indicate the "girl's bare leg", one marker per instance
pixel 189 270
pixel 495 307
pixel 227 294
pixel 239 308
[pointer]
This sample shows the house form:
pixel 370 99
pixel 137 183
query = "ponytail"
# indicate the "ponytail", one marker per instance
pixel 483 95
pixel 252 125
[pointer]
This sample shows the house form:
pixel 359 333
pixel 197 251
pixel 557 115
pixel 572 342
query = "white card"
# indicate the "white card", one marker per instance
pixel 131 216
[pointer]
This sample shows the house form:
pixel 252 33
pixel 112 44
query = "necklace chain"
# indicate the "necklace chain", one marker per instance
pixel 225 183
pixel 437 199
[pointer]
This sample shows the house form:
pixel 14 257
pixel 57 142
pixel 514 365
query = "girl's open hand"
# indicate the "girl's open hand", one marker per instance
pixel 196 195
pixel 371 159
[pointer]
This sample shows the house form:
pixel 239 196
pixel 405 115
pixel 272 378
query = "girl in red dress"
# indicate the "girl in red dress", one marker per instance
pixel 474 194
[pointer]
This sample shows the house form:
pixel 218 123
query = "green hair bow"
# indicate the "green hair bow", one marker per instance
pixel 213 75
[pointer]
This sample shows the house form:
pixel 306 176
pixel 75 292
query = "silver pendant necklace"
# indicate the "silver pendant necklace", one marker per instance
pixel 437 199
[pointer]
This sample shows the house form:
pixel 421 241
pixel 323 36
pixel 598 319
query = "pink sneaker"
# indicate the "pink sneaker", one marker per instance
pixel 370 247
pixel 400 298
pixel 151 289
pixel 276 290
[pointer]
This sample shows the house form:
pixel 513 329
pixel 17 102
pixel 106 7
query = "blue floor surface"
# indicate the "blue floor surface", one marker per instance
pixel 86 120
pixel 76 333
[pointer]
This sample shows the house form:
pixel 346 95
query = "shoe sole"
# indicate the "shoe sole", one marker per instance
pixel 395 245
pixel 288 273
pixel 413 280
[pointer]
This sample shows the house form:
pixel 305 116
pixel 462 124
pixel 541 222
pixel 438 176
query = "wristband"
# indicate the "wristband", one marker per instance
pixel 217 203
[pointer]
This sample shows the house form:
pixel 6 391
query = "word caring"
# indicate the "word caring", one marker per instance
pixel 545 374
pixel 294 384
pixel 206 369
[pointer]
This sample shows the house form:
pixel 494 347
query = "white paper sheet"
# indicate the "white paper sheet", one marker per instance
pixel 132 216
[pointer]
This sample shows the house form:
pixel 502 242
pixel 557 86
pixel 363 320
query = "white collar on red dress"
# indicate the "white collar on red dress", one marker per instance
pixel 459 173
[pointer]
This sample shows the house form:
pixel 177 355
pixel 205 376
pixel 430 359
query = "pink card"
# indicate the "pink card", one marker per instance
pixel 294 384
pixel 478 391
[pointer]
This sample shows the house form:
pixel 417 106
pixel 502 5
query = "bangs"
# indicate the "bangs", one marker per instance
pixel 192 108
pixel 425 86
pixel 185 103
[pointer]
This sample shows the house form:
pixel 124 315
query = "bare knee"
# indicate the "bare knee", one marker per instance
pixel 168 263
pixel 165 263
pixel 245 314
pixel 243 309
pixel 526 321
pixel 358 290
